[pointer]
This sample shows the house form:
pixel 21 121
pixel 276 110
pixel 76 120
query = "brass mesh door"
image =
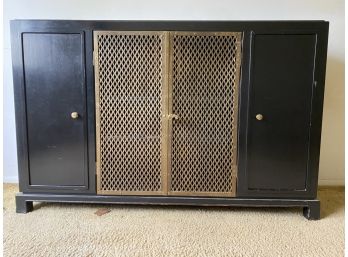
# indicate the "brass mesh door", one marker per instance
pixel 203 84
pixel 166 112
pixel 130 72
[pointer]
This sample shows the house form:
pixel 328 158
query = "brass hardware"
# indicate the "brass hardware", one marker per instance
pixel 138 169
pixel 131 165
pixel 259 117
pixel 203 161
pixel 173 116
pixel 74 115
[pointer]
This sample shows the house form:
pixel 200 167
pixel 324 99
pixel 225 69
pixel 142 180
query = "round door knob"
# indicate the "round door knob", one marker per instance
pixel 259 116
pixel 74 115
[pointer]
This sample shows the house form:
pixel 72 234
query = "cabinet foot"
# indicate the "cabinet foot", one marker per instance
pixel 312 211
pixel 23 206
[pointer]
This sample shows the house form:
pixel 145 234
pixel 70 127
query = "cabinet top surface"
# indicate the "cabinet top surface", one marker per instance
pixel 266 26
pixel 172 21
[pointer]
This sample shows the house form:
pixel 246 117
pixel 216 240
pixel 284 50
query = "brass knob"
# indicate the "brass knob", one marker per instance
pixel 259 117
pixel 74 115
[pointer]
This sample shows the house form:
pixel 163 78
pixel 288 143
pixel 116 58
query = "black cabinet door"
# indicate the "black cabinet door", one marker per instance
pixel 54 86
pixel 279 117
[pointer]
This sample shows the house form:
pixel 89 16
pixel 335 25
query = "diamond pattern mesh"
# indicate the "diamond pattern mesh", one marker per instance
pixel 205 76
pixel 132 108
pixel 129 107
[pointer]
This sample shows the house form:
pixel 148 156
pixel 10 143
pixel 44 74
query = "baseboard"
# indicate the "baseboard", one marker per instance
pixel 331 182
pixel 10 179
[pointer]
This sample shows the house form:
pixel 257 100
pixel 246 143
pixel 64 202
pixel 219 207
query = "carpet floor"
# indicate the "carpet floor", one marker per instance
pixel 75 230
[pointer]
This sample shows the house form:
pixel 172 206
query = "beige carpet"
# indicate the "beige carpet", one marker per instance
pixel 75 230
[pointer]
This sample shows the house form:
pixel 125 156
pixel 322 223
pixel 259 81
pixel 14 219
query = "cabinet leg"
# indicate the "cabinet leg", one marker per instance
pixel 312 211
pixel 23 206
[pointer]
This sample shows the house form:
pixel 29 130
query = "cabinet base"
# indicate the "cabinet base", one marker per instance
pixel 312 212
pixel 23 205
pixel 311 208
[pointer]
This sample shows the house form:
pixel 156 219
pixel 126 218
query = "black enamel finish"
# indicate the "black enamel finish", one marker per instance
pixel 55 87
pixel 53 77
pixel 312 211
pixel 281 90
pixel 277 157
pixel 24 202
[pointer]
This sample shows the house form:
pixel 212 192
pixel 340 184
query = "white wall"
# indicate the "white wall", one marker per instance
pixel 332 150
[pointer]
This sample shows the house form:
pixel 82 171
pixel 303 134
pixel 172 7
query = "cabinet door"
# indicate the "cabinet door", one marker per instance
pixel 54 86
pixel 204 68
pixel 131 128
pixel 278 134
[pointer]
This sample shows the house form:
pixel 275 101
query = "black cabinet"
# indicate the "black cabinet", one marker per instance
pixel 254 88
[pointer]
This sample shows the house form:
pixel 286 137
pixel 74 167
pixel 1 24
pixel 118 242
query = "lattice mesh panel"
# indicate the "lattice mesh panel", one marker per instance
pixel 129 89
pixel 205 76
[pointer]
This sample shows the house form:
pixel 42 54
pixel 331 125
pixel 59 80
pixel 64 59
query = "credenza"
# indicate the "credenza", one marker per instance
pixel 205 113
